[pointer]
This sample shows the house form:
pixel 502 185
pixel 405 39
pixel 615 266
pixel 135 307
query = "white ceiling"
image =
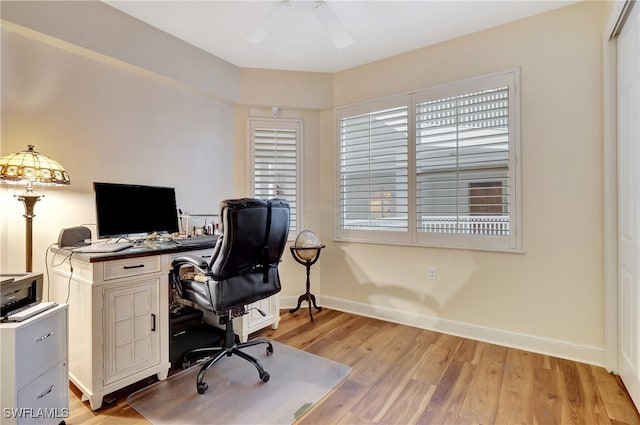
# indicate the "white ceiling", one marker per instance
pixel 379 29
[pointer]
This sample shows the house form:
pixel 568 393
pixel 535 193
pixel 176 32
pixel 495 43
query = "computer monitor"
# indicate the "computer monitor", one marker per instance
pixel 131 210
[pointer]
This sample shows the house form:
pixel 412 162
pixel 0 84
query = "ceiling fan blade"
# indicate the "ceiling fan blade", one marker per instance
pixel 270 22
pixel 331 24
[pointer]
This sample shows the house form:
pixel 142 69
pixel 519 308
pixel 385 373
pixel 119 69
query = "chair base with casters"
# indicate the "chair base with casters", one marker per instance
pixel 230 347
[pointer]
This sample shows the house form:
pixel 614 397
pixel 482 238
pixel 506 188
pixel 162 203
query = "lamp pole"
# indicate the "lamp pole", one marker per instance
pixel 29 198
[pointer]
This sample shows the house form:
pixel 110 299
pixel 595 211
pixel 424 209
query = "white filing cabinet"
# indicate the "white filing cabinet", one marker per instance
pixel 35 386
pixel 251 322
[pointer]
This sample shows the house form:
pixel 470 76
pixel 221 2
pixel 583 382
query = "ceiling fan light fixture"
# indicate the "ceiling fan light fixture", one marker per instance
pixel 320 10
pixel 270 22
pixel 331 24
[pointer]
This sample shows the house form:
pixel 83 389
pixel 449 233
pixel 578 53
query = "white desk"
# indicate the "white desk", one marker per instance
pixel 119 315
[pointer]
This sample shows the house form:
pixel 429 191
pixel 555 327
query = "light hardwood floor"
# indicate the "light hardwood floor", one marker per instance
pixel 405 375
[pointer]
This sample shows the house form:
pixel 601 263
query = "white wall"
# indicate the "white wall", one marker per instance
pixel 551 297
pixel 105 119
pixel 299 95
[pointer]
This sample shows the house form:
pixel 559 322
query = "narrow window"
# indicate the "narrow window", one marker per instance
pixel 275 157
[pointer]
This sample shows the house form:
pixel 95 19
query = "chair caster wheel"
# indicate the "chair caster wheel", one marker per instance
pixel 269 350
pixel 202 388
pixel 265 377
pixel 186 364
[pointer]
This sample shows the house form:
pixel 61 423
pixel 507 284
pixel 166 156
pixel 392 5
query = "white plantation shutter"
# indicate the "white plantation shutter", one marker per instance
pixel 373 170
pixel 275 163
pixel 438 167
pixel 462 163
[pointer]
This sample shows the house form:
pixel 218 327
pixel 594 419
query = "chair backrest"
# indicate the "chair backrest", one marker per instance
pixel 244 266
pixel 254 233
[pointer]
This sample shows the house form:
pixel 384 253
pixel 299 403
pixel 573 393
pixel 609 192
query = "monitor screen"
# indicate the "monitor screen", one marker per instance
pixel 126 209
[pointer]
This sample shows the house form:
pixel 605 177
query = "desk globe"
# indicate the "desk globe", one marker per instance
pixel 306 251
pixel 307 243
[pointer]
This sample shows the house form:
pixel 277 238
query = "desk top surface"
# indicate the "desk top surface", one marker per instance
pixel 145 249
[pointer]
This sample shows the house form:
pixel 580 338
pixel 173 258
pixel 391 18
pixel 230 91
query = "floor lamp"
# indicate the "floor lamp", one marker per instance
pixel 30 169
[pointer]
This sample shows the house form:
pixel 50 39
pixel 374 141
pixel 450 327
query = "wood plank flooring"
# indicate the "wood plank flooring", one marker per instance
pixel 404 375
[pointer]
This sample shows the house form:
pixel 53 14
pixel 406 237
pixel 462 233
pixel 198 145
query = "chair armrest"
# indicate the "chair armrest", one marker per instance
pixel 197 262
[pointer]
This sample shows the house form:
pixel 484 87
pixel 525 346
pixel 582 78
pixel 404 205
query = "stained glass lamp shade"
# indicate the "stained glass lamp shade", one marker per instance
pixel 30 166
pixel 26 168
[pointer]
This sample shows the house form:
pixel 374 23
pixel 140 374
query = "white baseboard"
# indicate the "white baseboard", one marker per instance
pixel 551 347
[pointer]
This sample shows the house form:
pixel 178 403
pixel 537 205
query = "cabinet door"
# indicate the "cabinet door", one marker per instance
pixel 131 328
pixel 269 306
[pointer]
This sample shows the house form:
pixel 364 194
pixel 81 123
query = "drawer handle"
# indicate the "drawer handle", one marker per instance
pixel 137 266
pixel 47 392
pixel 153 322
pixel 43 337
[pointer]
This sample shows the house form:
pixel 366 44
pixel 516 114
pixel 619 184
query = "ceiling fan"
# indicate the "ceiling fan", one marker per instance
pixel 319 8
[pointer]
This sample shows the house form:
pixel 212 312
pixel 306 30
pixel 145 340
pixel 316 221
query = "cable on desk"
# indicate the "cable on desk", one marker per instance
pixel 46 264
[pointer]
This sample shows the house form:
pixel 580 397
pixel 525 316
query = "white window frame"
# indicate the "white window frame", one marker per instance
pixel 510 243
pixel 279 124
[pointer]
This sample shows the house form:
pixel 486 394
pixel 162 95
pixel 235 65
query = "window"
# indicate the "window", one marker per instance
pixel 374 183
pixel 451 181
pixel 274 158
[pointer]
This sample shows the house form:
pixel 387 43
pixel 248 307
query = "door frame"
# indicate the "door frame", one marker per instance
pixel 617 17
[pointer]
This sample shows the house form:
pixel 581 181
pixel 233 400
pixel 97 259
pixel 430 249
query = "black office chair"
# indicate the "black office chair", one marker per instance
pixel 243 269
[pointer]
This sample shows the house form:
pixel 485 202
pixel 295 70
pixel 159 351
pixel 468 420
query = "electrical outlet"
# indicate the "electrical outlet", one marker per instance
pixel 432 273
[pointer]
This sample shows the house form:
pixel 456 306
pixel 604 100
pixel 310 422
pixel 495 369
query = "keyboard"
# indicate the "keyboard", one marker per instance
pixel 28 312
pixel 104 247
pixel 197 240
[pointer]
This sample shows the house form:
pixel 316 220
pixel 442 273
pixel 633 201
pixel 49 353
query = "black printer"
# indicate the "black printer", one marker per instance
pixel 21 296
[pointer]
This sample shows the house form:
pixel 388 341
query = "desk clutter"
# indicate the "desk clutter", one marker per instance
pixel 198 224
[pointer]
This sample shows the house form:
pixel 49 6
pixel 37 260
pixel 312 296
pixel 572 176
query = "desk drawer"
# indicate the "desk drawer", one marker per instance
pixel 132 267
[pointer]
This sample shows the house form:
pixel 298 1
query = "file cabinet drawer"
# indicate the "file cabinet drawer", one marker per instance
pixel 48 394
pixel 40 344
pixel 132 267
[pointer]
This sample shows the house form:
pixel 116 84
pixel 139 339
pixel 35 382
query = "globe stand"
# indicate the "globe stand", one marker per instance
pixel 308 296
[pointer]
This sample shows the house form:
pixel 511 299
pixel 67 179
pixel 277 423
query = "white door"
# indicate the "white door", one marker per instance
pixel 629 203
